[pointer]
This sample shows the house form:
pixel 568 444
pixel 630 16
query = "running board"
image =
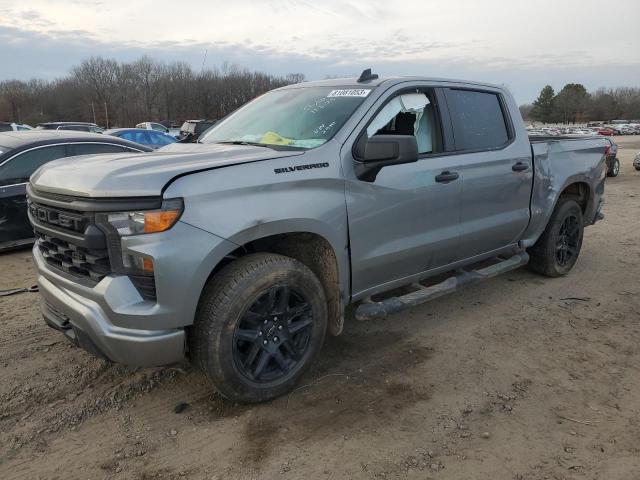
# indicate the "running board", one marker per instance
pixel 369 310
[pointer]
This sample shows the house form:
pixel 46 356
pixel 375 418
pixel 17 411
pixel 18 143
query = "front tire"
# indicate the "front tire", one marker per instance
pixel 556 251
pixel 615 169
pixel 260 322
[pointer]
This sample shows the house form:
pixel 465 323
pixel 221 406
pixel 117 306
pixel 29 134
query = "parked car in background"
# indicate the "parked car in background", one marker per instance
pixel 191 130
pixel 607 132
pixel 149 138
pixel 14 127
pixel 611 155
pixel 77 126
pixel 172 130
pixel 158 127
pixel 21 153
pixel 636 162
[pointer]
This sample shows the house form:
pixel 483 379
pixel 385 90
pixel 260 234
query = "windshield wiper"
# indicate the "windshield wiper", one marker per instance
pixel 243 142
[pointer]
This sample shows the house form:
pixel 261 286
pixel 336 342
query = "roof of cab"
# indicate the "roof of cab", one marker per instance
pixel 352 82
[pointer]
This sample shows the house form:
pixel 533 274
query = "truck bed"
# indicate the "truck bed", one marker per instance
pixel 558 162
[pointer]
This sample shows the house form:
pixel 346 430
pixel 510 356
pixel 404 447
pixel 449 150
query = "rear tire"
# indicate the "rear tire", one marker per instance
pixel 260 322
pixel 615 169
pixel 556 251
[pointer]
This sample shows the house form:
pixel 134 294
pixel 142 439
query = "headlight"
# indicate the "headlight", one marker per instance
pixel 149 221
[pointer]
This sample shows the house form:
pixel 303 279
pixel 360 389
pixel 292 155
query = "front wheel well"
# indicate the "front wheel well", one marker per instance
pixel 310 249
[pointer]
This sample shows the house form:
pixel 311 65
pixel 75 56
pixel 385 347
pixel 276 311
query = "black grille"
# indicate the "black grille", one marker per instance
pixel 72 242
pixel 145 284
pixel 77 261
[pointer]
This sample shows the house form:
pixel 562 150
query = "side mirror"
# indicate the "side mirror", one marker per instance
pixel 384 150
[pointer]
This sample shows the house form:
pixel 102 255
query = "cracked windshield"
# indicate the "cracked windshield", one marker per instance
pixel 300 118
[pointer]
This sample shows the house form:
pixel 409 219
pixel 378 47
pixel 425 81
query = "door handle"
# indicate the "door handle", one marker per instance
pixel 520 167
pixel 447 176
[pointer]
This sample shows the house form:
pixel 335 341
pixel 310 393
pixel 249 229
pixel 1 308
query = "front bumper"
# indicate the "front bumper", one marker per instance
pixel 86 325
pixel 112 320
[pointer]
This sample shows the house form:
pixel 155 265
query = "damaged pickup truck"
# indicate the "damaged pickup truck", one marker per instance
pixel 242 251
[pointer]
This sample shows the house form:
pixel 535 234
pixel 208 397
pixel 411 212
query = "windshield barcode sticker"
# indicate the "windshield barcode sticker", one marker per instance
pixel 352 92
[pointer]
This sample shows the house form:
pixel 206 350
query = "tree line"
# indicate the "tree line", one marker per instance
pixel 574 104
pixel 112 93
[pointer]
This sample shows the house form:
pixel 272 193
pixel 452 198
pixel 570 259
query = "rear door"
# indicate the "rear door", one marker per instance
pixel 496 168
pixel 14 175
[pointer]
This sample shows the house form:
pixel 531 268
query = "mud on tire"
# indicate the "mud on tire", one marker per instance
pixel 556 251
pixel 260 323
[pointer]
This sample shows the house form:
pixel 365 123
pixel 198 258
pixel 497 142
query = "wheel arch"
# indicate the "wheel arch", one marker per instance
pixel 577 187
pixel 578 190
pixel 307 245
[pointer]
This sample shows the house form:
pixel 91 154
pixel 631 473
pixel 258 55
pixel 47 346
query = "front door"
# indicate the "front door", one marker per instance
pixel 14 224
pixel 406 220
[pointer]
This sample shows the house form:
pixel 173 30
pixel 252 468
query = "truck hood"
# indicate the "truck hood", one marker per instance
pixel 142 174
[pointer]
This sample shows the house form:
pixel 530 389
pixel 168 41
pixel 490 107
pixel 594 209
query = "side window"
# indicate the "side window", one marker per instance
pixel 409 114
pixel 20 167
pixel 158 128
pixel 93 148
pixel 478 120
pixel 80 128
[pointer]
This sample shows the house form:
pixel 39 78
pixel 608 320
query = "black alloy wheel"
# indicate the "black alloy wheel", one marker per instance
pixel 568 241
pixel 273 335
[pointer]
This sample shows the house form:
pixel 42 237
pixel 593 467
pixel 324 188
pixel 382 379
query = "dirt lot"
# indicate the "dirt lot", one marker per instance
pixel 520 377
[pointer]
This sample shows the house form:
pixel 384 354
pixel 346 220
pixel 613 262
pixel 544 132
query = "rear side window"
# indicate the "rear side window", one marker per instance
pixel 478 120
pixel 93 148
pixel 20 167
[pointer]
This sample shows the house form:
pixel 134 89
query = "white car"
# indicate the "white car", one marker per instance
pixel 158 127
pixel 14 127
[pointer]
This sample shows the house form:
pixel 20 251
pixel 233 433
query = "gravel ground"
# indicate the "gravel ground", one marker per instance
pixel 519 377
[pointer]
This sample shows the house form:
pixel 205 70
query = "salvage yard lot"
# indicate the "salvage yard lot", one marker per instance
pixel 518 377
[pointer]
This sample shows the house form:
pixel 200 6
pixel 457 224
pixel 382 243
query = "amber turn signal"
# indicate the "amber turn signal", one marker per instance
pixel 160 220
pixel 147 265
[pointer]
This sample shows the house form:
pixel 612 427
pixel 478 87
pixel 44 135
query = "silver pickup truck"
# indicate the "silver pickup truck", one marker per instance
pixel 241 251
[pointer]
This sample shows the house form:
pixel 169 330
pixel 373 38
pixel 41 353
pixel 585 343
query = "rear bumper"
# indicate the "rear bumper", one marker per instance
pixel 599 215
pixel 86 325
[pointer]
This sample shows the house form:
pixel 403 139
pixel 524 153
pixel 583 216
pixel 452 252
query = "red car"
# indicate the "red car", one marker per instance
pixel 606 132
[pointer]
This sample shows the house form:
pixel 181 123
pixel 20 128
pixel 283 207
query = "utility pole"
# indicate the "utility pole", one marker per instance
pixel 93 109
pixel 106 114
pixel 204 60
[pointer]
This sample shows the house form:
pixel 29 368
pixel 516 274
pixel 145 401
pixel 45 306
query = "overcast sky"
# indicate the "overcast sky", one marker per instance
pixel 523 44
